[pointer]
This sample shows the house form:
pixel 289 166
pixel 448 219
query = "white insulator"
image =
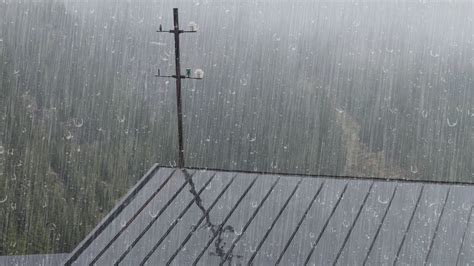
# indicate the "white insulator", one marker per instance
pixel 199 73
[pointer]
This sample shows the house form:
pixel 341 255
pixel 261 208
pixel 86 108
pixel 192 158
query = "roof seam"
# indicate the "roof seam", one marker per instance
pixel 130 221
pixel 409 225
pixel 219 230
pixel 112 215
pixel 314 244
pixel 274 222
pixel 190 234
pixel 353 223
pixel 234 242
pixel 437 227
pixel 380 225
pixel 154 219
pixel 310 205
pixel 175 222
pixel 464 235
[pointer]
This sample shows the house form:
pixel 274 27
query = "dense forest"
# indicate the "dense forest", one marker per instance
pixel 349 88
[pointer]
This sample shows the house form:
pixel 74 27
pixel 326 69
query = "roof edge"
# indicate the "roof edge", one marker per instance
pixel 119 207
pixel 371 178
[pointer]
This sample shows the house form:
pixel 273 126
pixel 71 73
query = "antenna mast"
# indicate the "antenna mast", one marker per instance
pixel 198 75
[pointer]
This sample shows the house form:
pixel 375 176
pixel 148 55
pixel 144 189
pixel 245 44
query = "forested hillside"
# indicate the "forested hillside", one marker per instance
pixel 71 142
pixel 380 90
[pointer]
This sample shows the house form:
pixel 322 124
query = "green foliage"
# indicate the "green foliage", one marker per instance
pixel 63 162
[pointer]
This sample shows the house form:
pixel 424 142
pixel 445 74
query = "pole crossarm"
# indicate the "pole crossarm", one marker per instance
pixel 174 76
pixel 179 31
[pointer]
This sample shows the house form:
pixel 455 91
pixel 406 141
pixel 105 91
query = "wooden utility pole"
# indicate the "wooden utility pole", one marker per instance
pixel 199 75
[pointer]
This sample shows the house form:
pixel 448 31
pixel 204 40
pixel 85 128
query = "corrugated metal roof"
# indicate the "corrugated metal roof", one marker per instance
pixel 210 217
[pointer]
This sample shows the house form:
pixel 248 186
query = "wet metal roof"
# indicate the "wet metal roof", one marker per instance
pixel 209 217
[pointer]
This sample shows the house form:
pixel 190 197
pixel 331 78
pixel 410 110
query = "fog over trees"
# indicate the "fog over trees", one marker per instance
pixel 362 88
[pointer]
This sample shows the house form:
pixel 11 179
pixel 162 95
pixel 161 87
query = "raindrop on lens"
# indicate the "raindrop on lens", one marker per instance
pixel 4 199
pixel 238 232
pixel 69 136
pixel 451 124
pixel 78 122
pixel 382 201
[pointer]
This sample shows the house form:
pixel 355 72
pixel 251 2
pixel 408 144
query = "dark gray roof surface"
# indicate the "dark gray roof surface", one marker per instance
pixel 266 219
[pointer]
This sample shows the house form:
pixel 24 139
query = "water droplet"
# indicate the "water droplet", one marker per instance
pixel 393 110
pixel 433 54
pixel 69 136
pixel 424 113
pixel 311 235
pixel 78 122
pixel 340 110
pixel 381 201
pixel 465 206
pixel 238 232
pixel 121 119
pixel 254 204
pixel 414 169
pixel 152 215
pixel 274 165
pixel 2 149
pixel 451 124
pixel 345 223
pixel 4 199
